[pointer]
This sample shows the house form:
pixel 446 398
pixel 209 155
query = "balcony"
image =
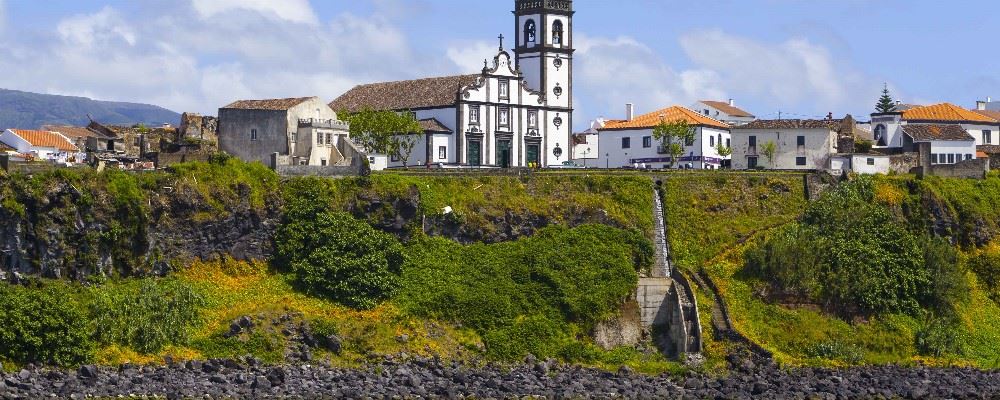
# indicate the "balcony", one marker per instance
pixel 323 123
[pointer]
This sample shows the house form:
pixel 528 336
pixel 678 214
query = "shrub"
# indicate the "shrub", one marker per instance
pixel 43 326
pixel 836 350
pixel 146 315
pixel 341 258
pixel 854 256
pixel 937 337
pixel 523 296
pixel 986 265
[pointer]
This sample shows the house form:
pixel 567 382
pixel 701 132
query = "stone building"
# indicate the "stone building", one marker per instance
pixel 799 144
pixel 516 112
pixel 302 131
pixel 197 128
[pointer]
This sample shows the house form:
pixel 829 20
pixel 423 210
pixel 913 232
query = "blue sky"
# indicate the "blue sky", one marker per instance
pixel 805 58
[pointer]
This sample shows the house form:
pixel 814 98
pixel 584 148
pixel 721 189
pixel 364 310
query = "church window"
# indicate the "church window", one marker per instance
pixel 557 33
pixel 529 32
pixel 504 89
pixel 557 121
pixel 442 152
pixel 532 119
pixel 474 115
pixel 504 116
pixel 558 90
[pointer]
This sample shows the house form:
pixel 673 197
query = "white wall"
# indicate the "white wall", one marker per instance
pixel 952 147
pixel 611 153
pixel 820 144
pixel 879 164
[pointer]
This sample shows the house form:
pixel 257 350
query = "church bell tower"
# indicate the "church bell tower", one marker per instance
pixel 544 50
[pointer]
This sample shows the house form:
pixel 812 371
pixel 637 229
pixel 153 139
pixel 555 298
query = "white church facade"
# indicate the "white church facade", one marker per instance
pixel 517 112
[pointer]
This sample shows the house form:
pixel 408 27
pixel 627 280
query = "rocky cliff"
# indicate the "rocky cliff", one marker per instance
pixel 59 227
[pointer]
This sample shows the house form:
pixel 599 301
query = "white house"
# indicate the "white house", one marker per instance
pixel 799 144
pixel 888 127
pixel 42 145
pixel 630 142
pixel 725 111
pixel 949 143
pixel 431 147
pixel 516 112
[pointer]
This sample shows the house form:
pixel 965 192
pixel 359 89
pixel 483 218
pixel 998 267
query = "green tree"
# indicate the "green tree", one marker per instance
pixel 384 132
pixel 769 149
pixel 723 150
pixel 338 257
pixel 673 136
pixel 885 102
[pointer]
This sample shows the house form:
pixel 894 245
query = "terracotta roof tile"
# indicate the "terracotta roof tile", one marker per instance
pixel 404 95
pixel 433 125
pixel 923 133
pixel 269 104
pixel 728 109
pixel 945 112
pixel 668 114
pixel 831 124
pixel 45 139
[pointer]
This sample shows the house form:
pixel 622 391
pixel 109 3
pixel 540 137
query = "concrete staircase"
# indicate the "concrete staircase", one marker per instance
pixel 667 306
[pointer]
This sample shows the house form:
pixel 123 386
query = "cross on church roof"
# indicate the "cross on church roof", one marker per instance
pixel 501 42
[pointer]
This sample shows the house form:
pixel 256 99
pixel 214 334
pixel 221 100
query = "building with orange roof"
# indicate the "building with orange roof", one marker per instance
pixel 42 145
pixel 888 132
pixel 630 143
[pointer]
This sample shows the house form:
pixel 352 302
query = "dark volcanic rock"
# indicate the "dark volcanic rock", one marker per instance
pixel 433 379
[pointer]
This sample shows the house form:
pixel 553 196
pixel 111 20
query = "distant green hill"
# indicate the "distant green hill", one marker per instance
pixel 26 110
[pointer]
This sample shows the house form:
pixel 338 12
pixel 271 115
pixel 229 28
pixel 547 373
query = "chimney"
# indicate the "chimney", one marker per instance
pixel 732 103
pixel 981 105
pixel 629 111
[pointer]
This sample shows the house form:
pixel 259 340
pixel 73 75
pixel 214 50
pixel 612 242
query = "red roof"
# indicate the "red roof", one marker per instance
pixel 45 139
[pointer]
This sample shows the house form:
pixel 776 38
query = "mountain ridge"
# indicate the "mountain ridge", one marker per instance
pixel 28 110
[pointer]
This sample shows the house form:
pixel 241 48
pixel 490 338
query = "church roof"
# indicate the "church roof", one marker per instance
pixel 433 125
pixel 269 104
pixel 674 113
pixel 404 95
pixel 945 112
pixel 923 133
pixel 723 106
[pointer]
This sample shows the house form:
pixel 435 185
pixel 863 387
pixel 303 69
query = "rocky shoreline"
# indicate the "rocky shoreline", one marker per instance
pixel 432 379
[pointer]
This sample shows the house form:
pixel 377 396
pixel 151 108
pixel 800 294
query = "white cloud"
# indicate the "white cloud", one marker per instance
pixel 105 27
pixel 796 72
pixel 469 55
pixel 289 10
pixel 187 63
pixel 614 71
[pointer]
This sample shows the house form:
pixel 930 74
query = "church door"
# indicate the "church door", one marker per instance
pixel 475 152
pixel 531 155
pixel 503 153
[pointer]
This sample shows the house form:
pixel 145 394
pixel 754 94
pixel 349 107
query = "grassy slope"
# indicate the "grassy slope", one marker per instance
pixel 234 289
pixel 802 335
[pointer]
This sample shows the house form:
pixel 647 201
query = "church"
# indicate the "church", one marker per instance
pixel 517 112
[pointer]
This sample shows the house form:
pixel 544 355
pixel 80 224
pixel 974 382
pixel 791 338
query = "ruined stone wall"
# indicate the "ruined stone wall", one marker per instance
pixel 976 168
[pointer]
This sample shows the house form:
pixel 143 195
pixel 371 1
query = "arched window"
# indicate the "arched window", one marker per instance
pixel 529 32
pixel 557 33
pixel 880 132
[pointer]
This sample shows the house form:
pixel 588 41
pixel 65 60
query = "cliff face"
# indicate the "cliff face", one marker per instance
pixel 73 229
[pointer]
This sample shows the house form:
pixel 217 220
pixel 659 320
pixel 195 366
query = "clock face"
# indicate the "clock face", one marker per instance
pixel 557 62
